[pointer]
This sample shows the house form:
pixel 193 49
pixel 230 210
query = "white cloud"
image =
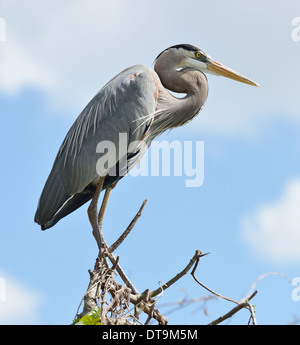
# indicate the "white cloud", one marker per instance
pixel 273 230
pixel 19 69
pixel 71 49
pixel 18 304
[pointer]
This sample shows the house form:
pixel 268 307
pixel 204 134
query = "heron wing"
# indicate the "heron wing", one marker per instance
pixel 121 106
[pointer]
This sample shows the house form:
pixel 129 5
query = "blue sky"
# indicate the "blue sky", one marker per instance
pixel 54 59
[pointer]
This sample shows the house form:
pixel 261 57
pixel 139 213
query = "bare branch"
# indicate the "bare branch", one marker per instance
pixel 102 284
pixel 261 277
pixel 236 309
pixel 122 274
pixel 205 287
pixel 241 305
pixel 116 244
pixel 196 257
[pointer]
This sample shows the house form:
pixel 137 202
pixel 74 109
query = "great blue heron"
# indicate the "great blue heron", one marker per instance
pixel 137 104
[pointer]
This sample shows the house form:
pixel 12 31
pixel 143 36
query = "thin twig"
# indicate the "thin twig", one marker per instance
pixel 116 244
pixel 261 277
pixel 197 256
pixel 251 309
pixel 241 305
pixel 121 273
pixel 135 299
pixel 150 316
pixel 233 311
pixel 208 289
pixel 117 297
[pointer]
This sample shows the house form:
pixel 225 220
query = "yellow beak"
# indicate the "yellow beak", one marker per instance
pixel 219 69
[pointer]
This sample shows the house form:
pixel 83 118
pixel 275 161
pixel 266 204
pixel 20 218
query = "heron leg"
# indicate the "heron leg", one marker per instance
pixel 96 221
pixel 93 214
pixel 104 204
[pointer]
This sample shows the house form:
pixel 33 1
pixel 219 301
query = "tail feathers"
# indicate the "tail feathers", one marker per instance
pixel 53 196
pixel 55 203
pixel 69 206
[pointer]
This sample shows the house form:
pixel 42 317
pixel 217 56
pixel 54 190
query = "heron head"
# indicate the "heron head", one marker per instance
pixel 186 55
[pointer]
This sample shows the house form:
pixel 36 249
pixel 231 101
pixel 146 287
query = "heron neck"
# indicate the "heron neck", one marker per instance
pixel 181 110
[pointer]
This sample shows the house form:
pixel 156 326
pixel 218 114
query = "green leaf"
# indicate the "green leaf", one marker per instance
pixel 92 318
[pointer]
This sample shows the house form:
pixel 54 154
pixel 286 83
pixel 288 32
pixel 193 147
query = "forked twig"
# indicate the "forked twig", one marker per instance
pixel 208 289
pixel 236 309
pixel 240 305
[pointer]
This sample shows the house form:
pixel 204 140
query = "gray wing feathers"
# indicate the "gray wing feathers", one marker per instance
pixel 53 194
pixel 114 109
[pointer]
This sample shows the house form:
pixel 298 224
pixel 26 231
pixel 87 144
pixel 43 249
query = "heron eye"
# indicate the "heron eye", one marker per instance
pixel 198 54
